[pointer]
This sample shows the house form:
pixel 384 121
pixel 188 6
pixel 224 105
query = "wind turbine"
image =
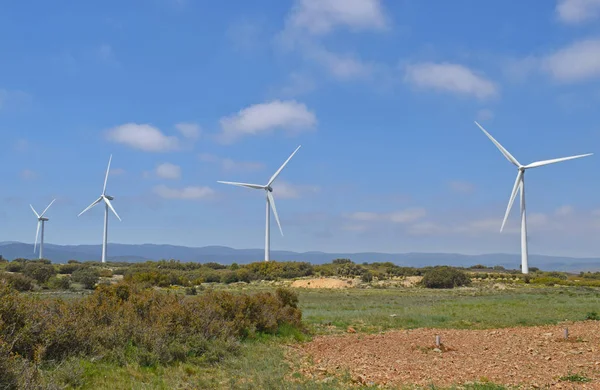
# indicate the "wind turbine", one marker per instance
pixel 520 184
pixel 107 205
pixel 41 220
pixel 270 201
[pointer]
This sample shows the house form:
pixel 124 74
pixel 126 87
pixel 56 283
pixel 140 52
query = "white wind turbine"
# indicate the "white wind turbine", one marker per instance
pixel 41 221
pixel 270 201
pixel 107 205
pixel 520 183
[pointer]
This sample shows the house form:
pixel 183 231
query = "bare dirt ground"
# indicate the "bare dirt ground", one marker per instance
pixel 323 283
pixel 528 357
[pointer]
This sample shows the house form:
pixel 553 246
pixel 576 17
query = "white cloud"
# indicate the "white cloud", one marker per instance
pixel 320 17
pixel 266 117
pixel 577 11
pixel 245 35
pixel 168 171
pixel 402 216
pixel 117 171
pixel 484 114
pixel 186 193
pixel 230 165
pixel 144 137
pixel 462 187
pixel 577 62
pixel 106 54
pixel 285 190
pixel 450 77
pixel 298 84
pixel 341 66
pixel 13 98
pixel 564 211
pixel 189 130
pixel 28 174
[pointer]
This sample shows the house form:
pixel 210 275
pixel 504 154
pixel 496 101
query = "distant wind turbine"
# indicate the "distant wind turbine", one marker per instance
pixel 41 221
pixel 520 183
pixel 270 202
pixel 106 199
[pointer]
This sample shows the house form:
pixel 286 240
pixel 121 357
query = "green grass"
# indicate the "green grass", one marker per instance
pixel 578 378
pixel 370 310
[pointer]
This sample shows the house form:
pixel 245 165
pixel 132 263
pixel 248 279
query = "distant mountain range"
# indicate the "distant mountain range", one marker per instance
pixel 225 255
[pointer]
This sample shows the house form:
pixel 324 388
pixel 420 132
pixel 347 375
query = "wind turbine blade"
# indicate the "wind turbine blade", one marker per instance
pixel 106 177
pixel 37 233
pixel 35 212
pixel 92 205
pixel 111 207
pixel 272 203
pixel 505 152
pixel 555 160
pixel 254 186
pixel 281 167
pixel 513 195
pixel 44 212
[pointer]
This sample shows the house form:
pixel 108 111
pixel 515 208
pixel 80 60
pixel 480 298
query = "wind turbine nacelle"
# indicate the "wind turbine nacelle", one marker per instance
pixel 109 197
pixel 44 219
pixel 269 188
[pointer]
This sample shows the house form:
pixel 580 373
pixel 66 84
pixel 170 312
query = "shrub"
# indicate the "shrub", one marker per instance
pixel 59 283
pixel 592 316
pixel 68 268
pixel 342 261
pixel 445 277
pixel 367 277
pixel 40 272
pixel 18 282
pixel 14 266
pixel 86 276
pixel 124 321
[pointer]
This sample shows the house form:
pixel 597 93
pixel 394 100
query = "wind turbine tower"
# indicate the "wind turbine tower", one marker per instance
pixel 270 202
pixel 520 184
pixel 107 205
pixel 41 221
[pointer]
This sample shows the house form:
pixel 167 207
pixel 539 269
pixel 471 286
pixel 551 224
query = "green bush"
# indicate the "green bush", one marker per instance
pixel 367 277
pixel 59 283
pixel 445 277
pixel 68 268
pixel 39 272
pixel 18 282
pixel 86 276
pixel 125 321
pixel 14 266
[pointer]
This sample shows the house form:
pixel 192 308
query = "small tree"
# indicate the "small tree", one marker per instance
pixel 86 276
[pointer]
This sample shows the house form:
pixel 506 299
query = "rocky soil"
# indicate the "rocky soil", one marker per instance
pixel 528 357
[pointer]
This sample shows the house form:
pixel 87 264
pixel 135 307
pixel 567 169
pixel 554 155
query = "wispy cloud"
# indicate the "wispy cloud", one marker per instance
pixel 190 131
pixel 449 77
pixel 168 171
pixel 484 115
pixel 401 216
pixel 227 164
pixel 286 190
pixel 13 99
pixel 28 174
pixel 265 118
pixel 460 186
pixel 579 61
pixel 143 137
pixel 577 11
pixel 185 193
pixel 319 17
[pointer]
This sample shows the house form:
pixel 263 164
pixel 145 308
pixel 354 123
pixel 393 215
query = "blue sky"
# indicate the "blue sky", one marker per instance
pixel 381 95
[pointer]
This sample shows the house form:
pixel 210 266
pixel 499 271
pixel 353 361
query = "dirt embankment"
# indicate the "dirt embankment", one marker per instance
pixel 527 356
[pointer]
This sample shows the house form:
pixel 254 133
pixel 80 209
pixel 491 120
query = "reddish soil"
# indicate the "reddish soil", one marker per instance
pixel 323 283
pixel 530 357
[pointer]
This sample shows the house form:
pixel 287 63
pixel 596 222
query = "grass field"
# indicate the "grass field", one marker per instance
pixel 264 364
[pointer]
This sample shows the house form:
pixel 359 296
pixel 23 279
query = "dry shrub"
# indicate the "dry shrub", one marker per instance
pixel 125 322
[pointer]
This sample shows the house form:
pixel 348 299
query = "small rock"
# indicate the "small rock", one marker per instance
pixel 393 315
pixel 437 350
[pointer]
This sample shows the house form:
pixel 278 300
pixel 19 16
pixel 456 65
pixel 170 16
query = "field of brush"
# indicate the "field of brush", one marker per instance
pixel 163 325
